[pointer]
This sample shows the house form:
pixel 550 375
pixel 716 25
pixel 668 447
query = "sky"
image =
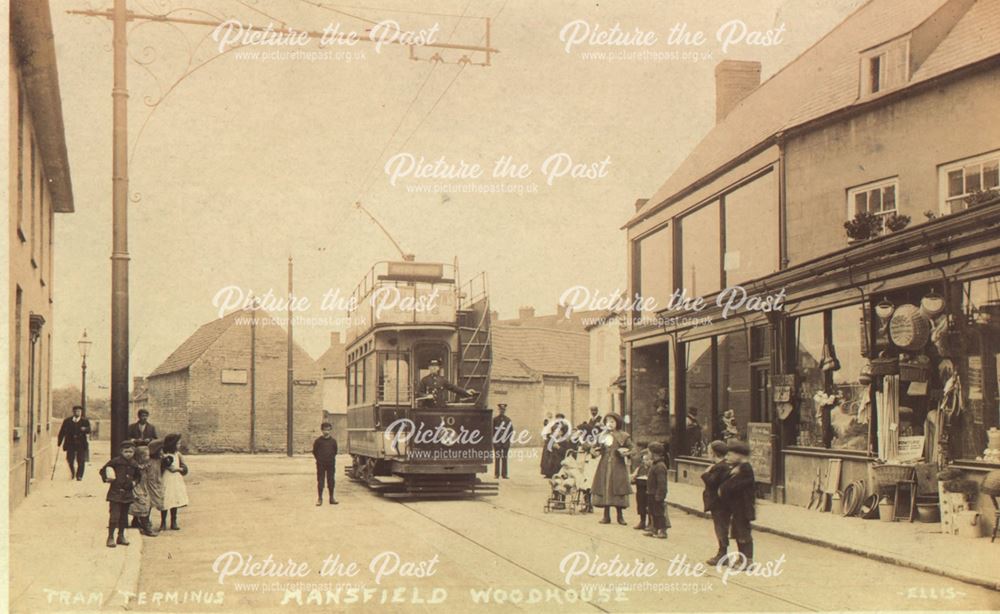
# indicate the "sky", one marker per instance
pixel 260 153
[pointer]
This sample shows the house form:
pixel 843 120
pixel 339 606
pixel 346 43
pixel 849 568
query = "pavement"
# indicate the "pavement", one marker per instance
pixel 58 556
pixel 246 510
pixel 916 545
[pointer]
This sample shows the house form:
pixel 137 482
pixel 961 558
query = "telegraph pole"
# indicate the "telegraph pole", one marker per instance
pixel 119 216
pixel 253 377
pixel 289 381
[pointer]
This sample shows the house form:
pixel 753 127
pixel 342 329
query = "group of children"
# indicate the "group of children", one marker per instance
pixel 141 479
pixel 728 496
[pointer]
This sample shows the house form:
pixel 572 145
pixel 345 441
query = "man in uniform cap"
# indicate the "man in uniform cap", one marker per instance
pixel 434 385
pixel 503 429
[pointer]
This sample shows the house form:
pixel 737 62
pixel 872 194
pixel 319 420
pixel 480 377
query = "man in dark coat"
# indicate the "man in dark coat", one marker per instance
pixel 73 439
pixel 737 495
pixel 142 432
pixel 713 478
pixel 503 430
pixel 435 385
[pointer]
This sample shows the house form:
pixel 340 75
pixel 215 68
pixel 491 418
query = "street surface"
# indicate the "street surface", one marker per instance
pixel 502 553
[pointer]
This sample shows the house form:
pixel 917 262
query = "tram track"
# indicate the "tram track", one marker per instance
pixel 509 560
pixel 711 573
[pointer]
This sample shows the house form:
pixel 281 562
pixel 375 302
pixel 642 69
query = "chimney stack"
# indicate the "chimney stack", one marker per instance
pixel 335 339
pixel 137 383
pixel 524 313
pixel 734 80
pixel 494 315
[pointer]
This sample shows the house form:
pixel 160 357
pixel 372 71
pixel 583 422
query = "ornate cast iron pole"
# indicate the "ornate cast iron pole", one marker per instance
pixel 119 253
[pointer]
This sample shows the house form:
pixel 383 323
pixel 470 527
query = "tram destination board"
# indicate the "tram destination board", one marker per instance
pixel 759 438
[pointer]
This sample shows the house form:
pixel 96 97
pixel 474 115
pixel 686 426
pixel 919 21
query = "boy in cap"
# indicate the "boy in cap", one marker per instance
pixel 737 495
pixel 656 492
pixel 713 478
pixel 325 453
pixel 123 478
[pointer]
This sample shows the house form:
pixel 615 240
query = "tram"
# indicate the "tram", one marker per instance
pixel 404 316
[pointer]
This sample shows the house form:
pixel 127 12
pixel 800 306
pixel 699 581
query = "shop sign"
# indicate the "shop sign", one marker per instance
pixel 910 448
pixel 759 439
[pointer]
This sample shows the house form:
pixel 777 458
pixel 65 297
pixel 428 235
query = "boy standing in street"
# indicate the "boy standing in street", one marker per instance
pixel 656 492
pixel 737 495
pixel 713 478
pixel 325 453
pixel 124 475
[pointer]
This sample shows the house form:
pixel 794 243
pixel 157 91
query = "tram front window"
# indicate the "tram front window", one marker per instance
pixel 394 378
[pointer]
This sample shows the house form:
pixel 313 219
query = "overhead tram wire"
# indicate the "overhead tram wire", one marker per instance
pixel 370 174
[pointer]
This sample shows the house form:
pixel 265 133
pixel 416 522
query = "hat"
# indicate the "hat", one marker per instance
pixel 738 447
pixel 719 447
pixel 155 447
pixel 656 448
pixel 143 412
pixel 501 406
pixel 126 444
pixel 434 363
pixel 618 419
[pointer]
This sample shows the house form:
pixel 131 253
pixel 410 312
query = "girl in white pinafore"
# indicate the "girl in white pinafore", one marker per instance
pixel 174 490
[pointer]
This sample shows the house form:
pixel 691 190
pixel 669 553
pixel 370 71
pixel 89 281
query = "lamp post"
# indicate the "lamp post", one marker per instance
pixel 84 344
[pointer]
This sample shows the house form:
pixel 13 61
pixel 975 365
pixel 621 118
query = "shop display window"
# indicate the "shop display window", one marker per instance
pixel 734 385
pixel 977 368
pixel 808 331
pixel 698 395
pixel 850 418
pixel 652 392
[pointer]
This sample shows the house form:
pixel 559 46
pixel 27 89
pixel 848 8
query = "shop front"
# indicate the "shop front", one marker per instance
pixel 884 353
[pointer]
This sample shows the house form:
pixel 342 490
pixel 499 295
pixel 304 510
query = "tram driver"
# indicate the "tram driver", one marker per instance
pixel 433 386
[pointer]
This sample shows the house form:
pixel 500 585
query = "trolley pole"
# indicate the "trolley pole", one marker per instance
pixel 290 364
pixel 119 254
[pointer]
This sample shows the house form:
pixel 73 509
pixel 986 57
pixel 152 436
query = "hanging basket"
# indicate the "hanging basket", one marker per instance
pixel 909 328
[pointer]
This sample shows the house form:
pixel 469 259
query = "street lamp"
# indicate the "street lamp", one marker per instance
pixel 84 344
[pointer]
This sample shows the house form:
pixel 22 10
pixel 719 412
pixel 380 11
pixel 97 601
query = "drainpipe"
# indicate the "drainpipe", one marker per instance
pixel 782 204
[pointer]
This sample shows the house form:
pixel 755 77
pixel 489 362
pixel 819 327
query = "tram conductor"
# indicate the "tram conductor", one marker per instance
pixel 435 385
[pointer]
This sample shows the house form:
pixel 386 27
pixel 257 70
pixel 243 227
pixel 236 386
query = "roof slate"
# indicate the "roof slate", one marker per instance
pixel 825 78
pixel 524 352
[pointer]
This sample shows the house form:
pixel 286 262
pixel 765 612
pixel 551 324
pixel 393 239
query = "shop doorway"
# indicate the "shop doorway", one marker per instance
pixel 760 378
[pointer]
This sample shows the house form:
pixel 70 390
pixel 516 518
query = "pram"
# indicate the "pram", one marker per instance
pixel 566 495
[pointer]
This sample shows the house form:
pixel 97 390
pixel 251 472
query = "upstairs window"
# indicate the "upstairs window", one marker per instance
pixel 875 68
pixel 877 198
pixel 885 67
pixel 965 178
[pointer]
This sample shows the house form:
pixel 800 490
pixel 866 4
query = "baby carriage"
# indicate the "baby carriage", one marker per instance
pixel 566 493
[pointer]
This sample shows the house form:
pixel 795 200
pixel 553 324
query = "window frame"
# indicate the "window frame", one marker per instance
pixel 960 165
pixel 871 186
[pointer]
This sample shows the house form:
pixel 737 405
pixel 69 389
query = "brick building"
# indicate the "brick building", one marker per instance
pixel 538 370
pixel 205 387
pixel 890 115
pixel 39 187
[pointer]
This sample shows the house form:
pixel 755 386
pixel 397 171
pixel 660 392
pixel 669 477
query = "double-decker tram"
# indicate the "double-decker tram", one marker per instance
pixel 418 363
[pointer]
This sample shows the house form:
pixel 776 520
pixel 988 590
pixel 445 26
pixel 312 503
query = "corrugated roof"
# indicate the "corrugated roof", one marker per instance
pixel 825 79
pixel 524 352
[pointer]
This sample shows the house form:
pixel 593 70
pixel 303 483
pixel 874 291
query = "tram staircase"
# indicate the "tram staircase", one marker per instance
pixel 474 338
